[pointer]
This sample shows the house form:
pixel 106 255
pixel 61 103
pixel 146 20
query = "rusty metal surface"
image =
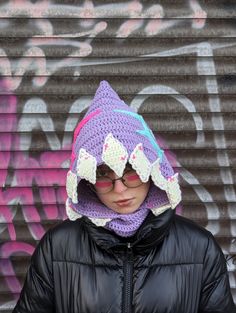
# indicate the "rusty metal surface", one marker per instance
pixel 173 61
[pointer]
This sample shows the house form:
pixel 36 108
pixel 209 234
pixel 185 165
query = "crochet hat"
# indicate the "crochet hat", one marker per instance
pixel 112 133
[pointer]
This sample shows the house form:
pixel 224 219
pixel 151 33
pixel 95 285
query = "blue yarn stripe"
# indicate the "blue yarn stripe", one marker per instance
pixel 146 131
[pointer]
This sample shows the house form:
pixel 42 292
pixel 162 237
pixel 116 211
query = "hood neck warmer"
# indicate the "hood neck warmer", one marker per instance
pixel 112 133
pixel 151 233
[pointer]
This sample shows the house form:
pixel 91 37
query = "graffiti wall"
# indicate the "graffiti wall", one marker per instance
pixel 173 61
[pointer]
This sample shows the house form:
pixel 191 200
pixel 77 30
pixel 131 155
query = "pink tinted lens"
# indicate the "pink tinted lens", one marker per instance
pixel 103 184
pixel 132 177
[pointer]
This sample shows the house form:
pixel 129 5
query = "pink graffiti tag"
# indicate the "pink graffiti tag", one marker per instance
pixel 17 192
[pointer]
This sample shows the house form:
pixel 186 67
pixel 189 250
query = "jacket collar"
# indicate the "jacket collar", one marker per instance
pixel 151 232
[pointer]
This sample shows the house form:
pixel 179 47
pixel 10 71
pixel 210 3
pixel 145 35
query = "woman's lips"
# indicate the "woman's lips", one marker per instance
pixel 124 202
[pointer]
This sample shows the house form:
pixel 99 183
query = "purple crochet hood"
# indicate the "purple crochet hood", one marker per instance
pixel 112 133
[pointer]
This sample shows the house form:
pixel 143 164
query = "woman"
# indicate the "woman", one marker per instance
pixel 123 248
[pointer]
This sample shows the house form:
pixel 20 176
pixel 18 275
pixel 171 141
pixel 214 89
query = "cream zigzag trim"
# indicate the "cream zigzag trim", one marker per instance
pixel 114 154
pixel 157 177
pixel 158 211
pixel 169 185
pixel 86 166
pixel 140 163
pixel 71 186
pixel 100 221
pixel 72 215
pixel 173 190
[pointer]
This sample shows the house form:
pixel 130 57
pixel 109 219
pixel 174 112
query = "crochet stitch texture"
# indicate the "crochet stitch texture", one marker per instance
pixel 112 133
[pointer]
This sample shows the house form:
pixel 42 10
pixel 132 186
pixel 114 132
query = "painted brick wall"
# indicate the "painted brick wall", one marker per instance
pixel 174 61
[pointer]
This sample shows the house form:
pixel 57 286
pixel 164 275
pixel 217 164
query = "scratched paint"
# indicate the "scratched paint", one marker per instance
pixel 48 168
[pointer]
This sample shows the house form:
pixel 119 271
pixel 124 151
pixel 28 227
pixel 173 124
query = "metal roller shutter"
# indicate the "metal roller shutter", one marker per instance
pixel 174 61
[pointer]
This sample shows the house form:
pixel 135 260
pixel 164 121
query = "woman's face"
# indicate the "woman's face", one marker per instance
pixel 122 199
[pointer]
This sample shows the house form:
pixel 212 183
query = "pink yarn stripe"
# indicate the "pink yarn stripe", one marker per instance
pixel 72 159
pixel 84 121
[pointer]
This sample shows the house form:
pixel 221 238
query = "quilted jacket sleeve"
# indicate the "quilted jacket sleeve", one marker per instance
pixel 37 292
pixel 216 295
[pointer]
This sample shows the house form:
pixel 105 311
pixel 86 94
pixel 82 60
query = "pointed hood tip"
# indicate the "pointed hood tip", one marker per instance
pixel 104 83
pixel 105 90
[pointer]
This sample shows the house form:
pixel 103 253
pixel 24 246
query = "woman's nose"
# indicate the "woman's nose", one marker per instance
pixel 119 186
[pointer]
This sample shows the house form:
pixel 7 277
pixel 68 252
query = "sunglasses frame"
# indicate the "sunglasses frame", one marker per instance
pixel 92 187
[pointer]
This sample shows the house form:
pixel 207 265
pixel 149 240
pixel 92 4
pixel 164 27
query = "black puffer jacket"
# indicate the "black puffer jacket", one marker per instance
pixel 171 266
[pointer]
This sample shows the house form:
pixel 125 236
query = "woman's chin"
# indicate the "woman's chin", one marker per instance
pixel 125 210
